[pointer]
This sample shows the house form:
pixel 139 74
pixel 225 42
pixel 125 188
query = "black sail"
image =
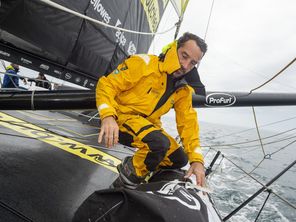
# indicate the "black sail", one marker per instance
pixel 57 43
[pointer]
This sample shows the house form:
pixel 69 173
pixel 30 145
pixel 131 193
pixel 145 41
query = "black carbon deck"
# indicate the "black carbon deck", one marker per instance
pixel 41 179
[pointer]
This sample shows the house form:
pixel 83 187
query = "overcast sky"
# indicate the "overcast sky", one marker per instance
pixel 249 41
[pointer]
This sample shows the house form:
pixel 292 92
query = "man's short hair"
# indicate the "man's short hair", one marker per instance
pixel 189 36
pixel 14 65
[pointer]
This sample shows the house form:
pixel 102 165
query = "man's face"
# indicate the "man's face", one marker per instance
pixel 16 66
pixel 189 55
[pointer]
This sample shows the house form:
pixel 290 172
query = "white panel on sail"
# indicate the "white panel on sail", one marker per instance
pixel 180 6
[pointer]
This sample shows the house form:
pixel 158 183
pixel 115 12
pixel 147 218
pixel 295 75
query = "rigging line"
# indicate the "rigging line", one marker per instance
pixel 132 149
pixel 263 205
pixel 50 131
pixel 282 70
pixel 267 156
pixel 84 115
pixel 223 156
pixel 14 135
pixel 108 211
pixel 290 204
pixel 45 129
pixel 45 117
pixel 207 153
pixel 243 131
pixel 209 19
pixel 283 147
pixel 154 41
pixel 270 154
pixel 246 68
pixel 275 178
pixel 284 200
pixel 251 141
pixel 216 168
pixel 248 173
pixel 15 212
pixel 95 146
pixel 258 132
pixel 62 8
pixel 112 150
pixel 81 136
pixel 263 185
pixel 93 117
pixel 255 179
pixel 255 146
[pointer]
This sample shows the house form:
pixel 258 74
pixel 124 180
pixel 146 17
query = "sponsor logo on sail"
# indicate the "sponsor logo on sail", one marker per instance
pixel 57 72
pixel 4 53
pixel 101 10
pixel 151 8
pixel 43 66
pixel 77 79
pixel 220 99
pixel 68 76
pixel 26 61
pixel 85 82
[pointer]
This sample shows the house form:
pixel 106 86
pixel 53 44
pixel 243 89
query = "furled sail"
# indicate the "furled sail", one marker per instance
pixel 68 46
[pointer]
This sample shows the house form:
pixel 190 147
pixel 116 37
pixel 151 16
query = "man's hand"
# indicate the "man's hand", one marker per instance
pixel 110 131
pixel 198 170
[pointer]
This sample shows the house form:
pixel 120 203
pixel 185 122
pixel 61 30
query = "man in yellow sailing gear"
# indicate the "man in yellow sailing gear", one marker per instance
pixel 131 101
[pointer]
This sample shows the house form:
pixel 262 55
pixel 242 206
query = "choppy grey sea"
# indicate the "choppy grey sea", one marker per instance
pixel 232 186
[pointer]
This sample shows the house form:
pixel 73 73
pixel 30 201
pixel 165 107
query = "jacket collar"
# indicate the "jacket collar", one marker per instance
pixel 171 61
pixel 10 68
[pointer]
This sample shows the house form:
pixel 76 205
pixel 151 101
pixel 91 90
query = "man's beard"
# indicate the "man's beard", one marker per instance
pixel 179 73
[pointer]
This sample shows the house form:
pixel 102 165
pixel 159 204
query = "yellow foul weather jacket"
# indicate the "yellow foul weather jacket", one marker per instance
pixel 141 85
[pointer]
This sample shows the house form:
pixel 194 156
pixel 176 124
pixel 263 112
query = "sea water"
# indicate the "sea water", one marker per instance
pixel 232 186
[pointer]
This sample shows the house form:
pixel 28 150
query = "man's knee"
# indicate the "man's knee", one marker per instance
pixel 178 158
pixel 158 144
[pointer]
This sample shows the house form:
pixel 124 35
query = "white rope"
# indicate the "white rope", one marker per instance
pixel 60 7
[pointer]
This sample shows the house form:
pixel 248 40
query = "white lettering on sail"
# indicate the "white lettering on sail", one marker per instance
pixel 151 8
pixel 120 38
pixel 4 53
pixel 131 48
pixel 101 10
pixel 173 191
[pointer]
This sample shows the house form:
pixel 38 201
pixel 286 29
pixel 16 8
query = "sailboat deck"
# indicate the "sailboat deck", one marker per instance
pixel 48 165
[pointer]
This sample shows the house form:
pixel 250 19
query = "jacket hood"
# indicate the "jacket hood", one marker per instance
pixel 10 68
pixel 170 62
